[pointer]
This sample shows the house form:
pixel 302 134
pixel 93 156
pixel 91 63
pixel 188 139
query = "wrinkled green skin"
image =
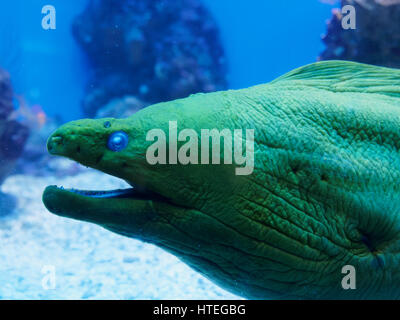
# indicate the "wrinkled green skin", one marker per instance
pixel 326 178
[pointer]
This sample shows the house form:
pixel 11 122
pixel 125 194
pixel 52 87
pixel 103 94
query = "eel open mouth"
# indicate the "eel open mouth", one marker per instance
pixel 118 193
pixel 120 210
pixel 130 193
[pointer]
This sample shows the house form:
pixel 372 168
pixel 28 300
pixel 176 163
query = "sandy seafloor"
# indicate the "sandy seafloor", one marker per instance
pixel 90 262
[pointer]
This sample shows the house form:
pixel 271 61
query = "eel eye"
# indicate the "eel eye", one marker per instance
pixel 117 141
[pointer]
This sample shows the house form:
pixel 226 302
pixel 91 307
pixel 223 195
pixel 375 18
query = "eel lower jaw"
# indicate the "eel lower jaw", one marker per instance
pixel 103 207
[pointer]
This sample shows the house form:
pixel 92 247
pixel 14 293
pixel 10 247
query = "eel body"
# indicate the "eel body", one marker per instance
pixel 324 192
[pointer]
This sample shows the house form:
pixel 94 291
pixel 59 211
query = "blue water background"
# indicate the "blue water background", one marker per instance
pixel 263 39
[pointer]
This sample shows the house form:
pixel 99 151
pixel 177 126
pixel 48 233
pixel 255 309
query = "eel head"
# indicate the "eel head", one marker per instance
pixel 168 205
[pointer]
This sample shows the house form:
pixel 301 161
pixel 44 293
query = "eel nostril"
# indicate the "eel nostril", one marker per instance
pixel 56 140
pixel 54 143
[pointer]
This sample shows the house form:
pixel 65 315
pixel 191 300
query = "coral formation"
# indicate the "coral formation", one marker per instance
pixel 13 135
pixel 153 50
pixel 376 39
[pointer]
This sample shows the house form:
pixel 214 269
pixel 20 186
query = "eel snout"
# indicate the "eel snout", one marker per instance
pixel 74 148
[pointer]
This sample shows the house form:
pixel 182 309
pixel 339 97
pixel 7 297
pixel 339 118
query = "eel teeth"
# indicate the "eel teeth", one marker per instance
pixel 119 193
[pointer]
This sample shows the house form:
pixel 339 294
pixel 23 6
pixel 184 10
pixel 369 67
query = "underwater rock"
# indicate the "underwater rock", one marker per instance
pixel 376 39
pixel 13 136
pixel 121 107
pixel 6 96
pixel 153 50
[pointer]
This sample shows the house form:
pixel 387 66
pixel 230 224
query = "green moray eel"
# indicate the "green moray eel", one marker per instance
pixel 324 192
